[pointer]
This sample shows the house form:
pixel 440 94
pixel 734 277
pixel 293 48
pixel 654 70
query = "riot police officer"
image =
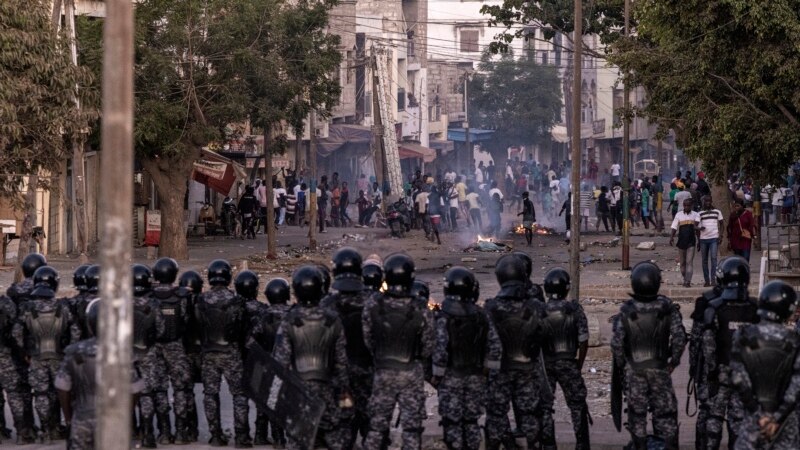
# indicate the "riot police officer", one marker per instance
pixel 263 332
pixel 372 273
pixel 220 314
pixel 20 292
pixel 172 363
pixel 398 331
pixel 92 276
pixel 348 300
pixel 76 383
pixel 517 318
pixel 764 371
pixel 148 326
pixel 648 342
pixel 534 290
pixel 310 342
pixel 79 302
pixel 466 346
pixel 566 341
pixel 45 327
pixel 698 378
pixel 10 376
pixel 722 316
pixel 190 286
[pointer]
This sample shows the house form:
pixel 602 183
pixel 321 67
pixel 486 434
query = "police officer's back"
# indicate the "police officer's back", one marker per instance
pixel 246 285
pixel 534 290
pixel 79 302
pixel 20 292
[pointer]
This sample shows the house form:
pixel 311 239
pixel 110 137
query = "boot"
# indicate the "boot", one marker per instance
pixel 148 434
pixel 262 424
pixel 181 436
pixel 510 443
pixel 164 429
pixel 242 439
pixel 217 440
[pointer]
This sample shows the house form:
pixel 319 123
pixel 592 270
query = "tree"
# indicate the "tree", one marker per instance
pixel 518 99
pixel 723 74
pixel 38 115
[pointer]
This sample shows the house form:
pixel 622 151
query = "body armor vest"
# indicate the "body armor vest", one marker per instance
pixel 398 333
pixel 219 324
pixel 171 307
pixel 518 332
pixel 144 327
pixel 191 336
pixel 467 331
pixel 84 384
pixel 562 333
pixel 269 323
pixel 728 316
pixel 6 322
pixel 313 341
pixel 647 334
pixel 48 332
pixel 350 314
pixel 768 361
pixel 79 304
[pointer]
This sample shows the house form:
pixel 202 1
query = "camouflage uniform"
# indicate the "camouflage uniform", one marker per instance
pixel 76 375
pixel 20 293
pixel 172 364
pixel 45 351
pixel 563 369
pixel 254 311
pixel 463 381
pixel 10 378
pixel 697 368
pixel 649 386
pixel 326 386
pixel 517 318
pixel 783 377
pixel 77 306
pixel 400 383
pixel 220 315
pixel 360 370
pixel 148 324
pixel 192 348
pixel 724 402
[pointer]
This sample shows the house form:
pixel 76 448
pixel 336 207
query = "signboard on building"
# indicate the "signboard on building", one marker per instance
pixel 152 228
pixel 211 169
pixel 277 163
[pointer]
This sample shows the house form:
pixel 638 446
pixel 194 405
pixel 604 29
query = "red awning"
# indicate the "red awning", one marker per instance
pixel 216 171
pixel 414 150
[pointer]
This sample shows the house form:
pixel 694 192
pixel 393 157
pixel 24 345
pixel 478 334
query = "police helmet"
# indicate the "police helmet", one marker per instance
pixel 459 282
pixel 557 284
pixel 398 271
pixel 510 269
pixel 307 284
pixel 372 274
pixel 142 279
pixel 526 258
pixel 735 278
pixel 32 262
pixel 277 291
pixel 79 278
pixel 326 277
pixel 420 290
pixel 347 270
pixel 646 281
pixel 246 284
pixel 45 282
pixel 92 315
pixel 191 280
pixel 777 301
pixel 165 270
pixel 92 279
pixel 219 273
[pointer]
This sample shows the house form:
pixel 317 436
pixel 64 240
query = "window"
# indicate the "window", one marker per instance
pixel 410 49
pixel 368 104
pixel 401 99
pixel 544 58
pixel 469 41
pixel 349 68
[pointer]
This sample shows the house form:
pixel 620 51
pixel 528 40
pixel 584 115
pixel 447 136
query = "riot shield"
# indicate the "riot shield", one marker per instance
pixel 545 393
pixel 616 394
pixel 283 395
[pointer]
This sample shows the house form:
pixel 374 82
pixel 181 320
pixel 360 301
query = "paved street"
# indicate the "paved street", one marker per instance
pixel 603 287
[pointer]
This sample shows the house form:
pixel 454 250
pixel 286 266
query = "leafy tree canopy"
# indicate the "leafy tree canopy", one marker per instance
pixel 519 99
pixel 38 88
pixel 723 74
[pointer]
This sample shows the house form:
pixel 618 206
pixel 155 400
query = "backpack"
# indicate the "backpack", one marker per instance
pixel 301 198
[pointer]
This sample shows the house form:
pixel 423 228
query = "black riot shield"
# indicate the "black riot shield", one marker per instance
pixel 283 395
pixel 616 395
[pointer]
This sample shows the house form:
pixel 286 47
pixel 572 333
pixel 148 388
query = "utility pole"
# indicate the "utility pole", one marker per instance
pixel 626 160
pixel 116 311
pixel 467 143
pixel 575 176
pixel 658 210
pixel 312 185
pixel 272 230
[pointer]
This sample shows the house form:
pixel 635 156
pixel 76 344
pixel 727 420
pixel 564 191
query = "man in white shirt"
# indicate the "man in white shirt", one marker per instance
pixel 615 170
pixel 261 196
pixel 687 226
pixel 495 190
pixel 710 238
pixel 450 175
pixel 279 202
pixel 479 174
pixel 474 204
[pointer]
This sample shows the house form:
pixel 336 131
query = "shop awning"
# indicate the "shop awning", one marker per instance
pixel 560 135
pixel 475 134
pixel 343 137
pixel 414 150
pixel 217 172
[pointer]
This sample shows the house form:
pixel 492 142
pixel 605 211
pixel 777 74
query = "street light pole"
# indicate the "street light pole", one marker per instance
pixel 575 176
pixel 626 161
pixel 467 143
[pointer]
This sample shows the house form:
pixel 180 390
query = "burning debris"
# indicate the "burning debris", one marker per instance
pixel 537 229
pixel 488 245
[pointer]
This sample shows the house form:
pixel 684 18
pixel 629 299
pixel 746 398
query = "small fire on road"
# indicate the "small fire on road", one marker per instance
pixel 537 229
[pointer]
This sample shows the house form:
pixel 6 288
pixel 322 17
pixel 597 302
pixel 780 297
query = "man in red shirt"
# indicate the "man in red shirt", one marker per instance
pixel 741 230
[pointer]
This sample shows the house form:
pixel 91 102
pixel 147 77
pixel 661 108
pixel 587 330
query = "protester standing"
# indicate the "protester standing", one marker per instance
pixel 710 237
pixel 741 230
pixel 686 225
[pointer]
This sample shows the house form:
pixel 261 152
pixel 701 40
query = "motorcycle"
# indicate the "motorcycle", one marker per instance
pixel 398 219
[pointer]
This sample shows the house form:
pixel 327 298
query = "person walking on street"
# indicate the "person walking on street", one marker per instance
pixel 247 208
pixel 344 202
pixel 741 230
pixel 710 237
pixel 686 225
pixel 567 207
pixel 528 217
